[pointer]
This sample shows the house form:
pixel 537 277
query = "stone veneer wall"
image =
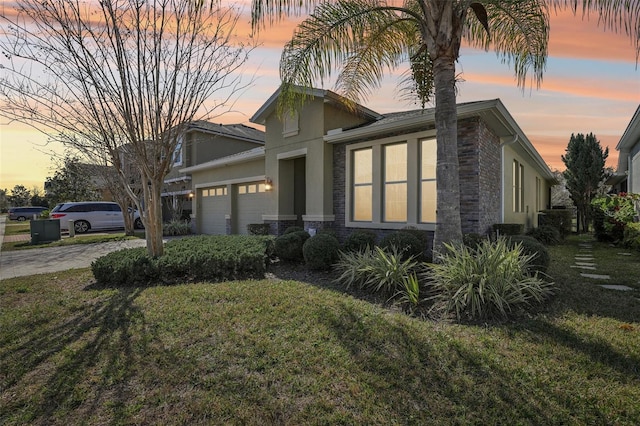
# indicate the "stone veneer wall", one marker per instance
pixel 480 172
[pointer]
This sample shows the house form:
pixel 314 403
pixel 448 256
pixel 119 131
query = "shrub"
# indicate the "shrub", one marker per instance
pixel 404 243
pixel 546 234
pixel 258 228
pixel 612 213
pixel 360 239
pixel 320 251
pixel 210 258
pixel 420 234
pixel 632 236
pixel 375 271
pixel 483 283
pixel 473 240
pixel 530 246
pixel 558 218
pixel 288 246
pixel 176 227
pixel 293 229
pixel 508 228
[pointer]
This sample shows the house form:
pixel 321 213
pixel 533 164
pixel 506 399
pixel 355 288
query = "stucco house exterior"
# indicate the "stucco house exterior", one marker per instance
pixel 327 166
pixel 201 142
pixel 627 176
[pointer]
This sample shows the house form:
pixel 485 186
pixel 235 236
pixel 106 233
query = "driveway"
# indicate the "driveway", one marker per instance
pixel 53 259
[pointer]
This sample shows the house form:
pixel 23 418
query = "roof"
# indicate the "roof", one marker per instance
pixel 240 157
pixel 236 131
pixel 330 97
pixel 492 111
pixel 629 139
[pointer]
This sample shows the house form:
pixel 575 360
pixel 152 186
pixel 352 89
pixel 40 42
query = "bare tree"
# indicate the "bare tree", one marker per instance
pixel 121 78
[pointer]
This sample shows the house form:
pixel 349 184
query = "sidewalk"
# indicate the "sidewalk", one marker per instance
pixel 53 259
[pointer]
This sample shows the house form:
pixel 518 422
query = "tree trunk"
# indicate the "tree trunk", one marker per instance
pixel 153 218
pixel 448 222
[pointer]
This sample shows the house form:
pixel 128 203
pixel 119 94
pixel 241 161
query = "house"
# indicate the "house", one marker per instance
pixel 202 142
pixel 627 175
pixel 327 166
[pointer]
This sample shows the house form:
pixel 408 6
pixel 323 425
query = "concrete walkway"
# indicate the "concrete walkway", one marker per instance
pixel 53 259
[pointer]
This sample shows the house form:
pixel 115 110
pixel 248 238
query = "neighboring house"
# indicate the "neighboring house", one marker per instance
pixel 327 166
pixel 202 142
pixel 627 176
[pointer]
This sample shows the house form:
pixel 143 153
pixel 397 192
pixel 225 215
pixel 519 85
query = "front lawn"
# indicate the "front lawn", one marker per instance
pixel 286 352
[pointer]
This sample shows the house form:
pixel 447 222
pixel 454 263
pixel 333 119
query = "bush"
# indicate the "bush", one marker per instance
pixel 288 246
pixel 558 218
pixel 473 240
pixel 483 283
pixel 376 271
pixel 530 246
pixel 176 227
pixel 209 258
pixel 503 229
pixel 632 236
pixel 361 239
pixel 546 234
pixel 293 229
pixel 420 234
pixel 258 228
pixel 404 243
pixel 612 213
pixel 320 251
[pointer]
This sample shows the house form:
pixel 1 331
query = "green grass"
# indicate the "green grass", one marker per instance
pixel 23 228
pixel 284 352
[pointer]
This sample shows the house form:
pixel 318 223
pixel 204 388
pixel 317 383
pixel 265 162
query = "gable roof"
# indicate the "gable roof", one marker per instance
pixel 493 112
pixel 629 139
pixel 330 97
pixel 235 131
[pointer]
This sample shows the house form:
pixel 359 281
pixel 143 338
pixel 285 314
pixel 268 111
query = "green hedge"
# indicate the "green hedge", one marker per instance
pixel 504 229
pixel 558 218
pixel 288 246
pixel 320 251
pixel 202 258
pixel 258 228
pixel 632 236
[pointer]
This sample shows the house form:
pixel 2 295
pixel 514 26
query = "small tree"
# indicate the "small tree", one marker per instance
pixel 585 173
pixel 4 200
pixel 20 196
pixel 38 197
pixel 71 182
pixel 121 79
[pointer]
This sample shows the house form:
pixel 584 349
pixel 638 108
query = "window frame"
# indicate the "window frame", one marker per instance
pixel 414 182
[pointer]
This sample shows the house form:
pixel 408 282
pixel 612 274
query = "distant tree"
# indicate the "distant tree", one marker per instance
pixel 20 196
pixel 585 173
pixel 560 195
pixel 121 78
pixel 71 182
pixel 4 200
pixel 38 197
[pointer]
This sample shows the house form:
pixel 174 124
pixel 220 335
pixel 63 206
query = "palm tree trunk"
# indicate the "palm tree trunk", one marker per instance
pixel 448 222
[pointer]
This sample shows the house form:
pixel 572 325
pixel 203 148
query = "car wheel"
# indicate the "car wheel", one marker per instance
pixel 138 224
pixel 21 218
pixel 81 226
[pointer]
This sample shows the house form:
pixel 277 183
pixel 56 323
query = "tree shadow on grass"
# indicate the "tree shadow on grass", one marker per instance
pixel 83 358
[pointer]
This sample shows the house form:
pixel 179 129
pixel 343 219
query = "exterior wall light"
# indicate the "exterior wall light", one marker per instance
pixel 268 184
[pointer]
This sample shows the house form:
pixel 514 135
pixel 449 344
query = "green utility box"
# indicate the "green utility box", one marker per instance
pixel 45 230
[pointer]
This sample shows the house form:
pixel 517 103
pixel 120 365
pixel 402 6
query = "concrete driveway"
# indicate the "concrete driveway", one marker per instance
pixel 53 259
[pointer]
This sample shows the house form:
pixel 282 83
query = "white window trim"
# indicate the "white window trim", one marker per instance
pixel 413 183
pixel 178 153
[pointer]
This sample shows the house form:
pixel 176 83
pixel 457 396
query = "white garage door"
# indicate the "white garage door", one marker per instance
pixel 215 206
pixel 250 205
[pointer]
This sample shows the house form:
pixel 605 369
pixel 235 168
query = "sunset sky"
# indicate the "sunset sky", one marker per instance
pixel 591 84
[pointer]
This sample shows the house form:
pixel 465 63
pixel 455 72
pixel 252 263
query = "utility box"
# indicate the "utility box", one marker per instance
pixel 45 230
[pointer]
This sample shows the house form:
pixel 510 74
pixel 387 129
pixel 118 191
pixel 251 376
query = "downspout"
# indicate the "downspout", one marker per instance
pixel 502 167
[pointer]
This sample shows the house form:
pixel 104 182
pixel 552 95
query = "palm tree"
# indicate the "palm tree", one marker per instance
pixel 366 38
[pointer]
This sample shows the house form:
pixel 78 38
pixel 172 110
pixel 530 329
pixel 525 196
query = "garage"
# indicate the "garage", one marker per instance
pixel 250 205
pixel 215 207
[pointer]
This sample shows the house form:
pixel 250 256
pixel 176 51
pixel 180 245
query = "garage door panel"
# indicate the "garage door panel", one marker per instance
pixel 250 206
pixel 215 207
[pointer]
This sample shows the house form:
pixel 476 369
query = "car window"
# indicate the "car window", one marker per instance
pixel 114 208
pixel 76 208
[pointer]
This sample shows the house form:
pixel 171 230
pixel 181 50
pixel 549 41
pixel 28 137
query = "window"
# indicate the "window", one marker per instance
pixel 428 193
pixel 362 185
pixel 518 187
pixel 215 192
pixel 538 193
pixel 392 182
pixel 251 188
pixel 290 125
pixel 177 153
pixel 395 183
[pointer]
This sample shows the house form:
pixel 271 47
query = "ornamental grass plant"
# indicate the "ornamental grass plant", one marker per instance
pixel 490 281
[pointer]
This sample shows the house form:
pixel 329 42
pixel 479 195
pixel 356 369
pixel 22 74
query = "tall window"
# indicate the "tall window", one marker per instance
pixel 518 187
pixel 177 154
pixel 428 194
pixel 395 183
pixel 538 193
pixel 363 185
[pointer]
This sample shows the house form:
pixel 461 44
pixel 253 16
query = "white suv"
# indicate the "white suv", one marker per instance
pixel 91 215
